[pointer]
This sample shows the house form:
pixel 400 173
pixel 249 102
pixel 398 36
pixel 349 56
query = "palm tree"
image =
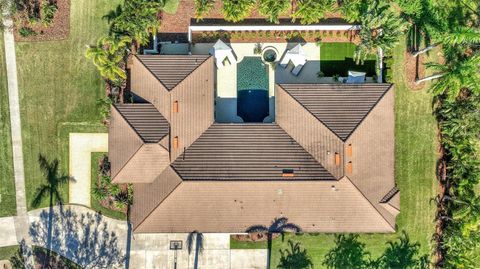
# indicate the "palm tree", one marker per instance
pixel 237 10
pixel 50 189
pixel 312 11
pixel 273 8
pixel 458 36
pixel 198 238
pixel 109 57
pixel 294 258
pixel 380 28
pixel 455 76
pixel 278 225
pixel 202 8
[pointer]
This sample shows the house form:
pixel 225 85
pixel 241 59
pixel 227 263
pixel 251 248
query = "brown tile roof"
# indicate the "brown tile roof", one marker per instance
pixel 232 207
pixel 247 152
pixel 341 107
pixel 145 119
pixel 123 142
pixel 170 70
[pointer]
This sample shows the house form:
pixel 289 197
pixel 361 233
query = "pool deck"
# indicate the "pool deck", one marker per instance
pixel 226 78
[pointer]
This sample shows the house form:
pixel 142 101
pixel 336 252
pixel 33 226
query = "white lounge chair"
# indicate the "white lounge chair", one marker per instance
pixel 297 57
pixel 222 51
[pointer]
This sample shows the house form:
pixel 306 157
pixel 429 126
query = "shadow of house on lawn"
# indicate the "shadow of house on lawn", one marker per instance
pixel 82 238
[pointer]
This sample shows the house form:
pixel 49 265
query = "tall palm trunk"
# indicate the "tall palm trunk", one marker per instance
pixel 415 54
pixel 429 78
pixel 269 249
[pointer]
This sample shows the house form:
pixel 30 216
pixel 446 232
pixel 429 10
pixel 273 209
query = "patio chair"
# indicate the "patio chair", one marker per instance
pixel 296 70
pixel 296 55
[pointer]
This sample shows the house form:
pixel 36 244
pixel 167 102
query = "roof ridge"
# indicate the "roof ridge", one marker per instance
pixel 161 201
pixel 133 127
pixel 370 202
pixel 306 151
pixel 369 111
pixel 167 56
pixel 389 195
pixel 302 105
pixel 336 86
pixel 129 124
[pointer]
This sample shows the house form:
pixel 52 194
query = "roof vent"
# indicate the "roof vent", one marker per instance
pixel 175 106
pixel 349 167
pixel 175 142
pixel 337 158
pixel 349 150
pixel 287 173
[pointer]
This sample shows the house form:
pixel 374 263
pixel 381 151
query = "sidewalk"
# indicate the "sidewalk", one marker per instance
pixel 81 147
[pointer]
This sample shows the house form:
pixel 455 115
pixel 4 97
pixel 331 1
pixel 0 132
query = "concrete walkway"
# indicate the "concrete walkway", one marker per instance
pixel 7 232
pixel 21 220
pixel 80 149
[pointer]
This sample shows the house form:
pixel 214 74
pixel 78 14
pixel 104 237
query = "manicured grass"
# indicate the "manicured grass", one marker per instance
pixel 95 204
pixel 416 155
pixel 7 252
pixel 57 85
pixel 7 181
pixel 337 59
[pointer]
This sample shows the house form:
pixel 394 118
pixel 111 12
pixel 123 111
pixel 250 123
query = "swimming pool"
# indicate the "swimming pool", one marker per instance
pixel 252 90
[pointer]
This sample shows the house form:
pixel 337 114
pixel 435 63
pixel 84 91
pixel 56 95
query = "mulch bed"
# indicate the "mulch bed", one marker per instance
pixel 55 261
pixel 179 22
pixel 254 237
pixel 277 36
pixel 59 29
pixel 414 68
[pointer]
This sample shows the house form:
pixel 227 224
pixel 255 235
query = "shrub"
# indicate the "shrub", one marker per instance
pixel 202 8
pixel 237 10
pixel 27 31
pixel 320 74
pixel 336 78
pixel 312 11
pixel 48 12
pixel 257 49
pixel 273 8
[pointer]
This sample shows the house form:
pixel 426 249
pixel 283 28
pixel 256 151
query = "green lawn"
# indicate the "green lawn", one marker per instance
pixel 415 174
pixel 337 59
pixel 95 204
pixel 7 182
pixel 58 85
pixel 7 252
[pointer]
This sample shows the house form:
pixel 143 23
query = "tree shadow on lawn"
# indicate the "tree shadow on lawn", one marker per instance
pixel 349 252
pixel 82 238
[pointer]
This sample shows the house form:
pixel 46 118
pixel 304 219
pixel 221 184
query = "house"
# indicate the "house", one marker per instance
pixel 326 162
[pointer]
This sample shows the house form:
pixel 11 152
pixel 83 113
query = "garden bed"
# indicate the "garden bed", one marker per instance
pixel 37 29
pixel 276 36
pixel 103 207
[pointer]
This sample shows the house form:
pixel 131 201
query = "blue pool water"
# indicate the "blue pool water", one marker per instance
pixel 252 90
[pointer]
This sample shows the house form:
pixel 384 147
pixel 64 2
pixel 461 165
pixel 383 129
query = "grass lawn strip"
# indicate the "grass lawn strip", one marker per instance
pixel 337 59
pixel 7 180
pixel 416 155
pixel 58 84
